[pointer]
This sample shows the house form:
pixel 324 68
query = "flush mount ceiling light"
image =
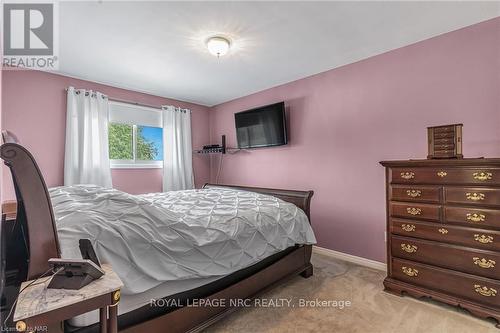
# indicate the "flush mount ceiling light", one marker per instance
pixel 218 45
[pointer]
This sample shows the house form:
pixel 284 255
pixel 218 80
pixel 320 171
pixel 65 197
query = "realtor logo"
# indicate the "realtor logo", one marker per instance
pixel 29 29
pixel 29 35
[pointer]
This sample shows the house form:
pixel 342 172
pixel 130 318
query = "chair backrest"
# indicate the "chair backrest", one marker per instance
pixel 34 208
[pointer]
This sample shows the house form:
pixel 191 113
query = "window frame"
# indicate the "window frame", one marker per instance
pixel 134 163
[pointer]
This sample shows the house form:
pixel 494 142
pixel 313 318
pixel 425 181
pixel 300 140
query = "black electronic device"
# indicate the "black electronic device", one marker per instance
pixel 76 273
pixel 261 127
pixel 73 273
pixel 87 251
pixel 212 146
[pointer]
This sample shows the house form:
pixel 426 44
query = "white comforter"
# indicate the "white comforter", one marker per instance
pixel 153 238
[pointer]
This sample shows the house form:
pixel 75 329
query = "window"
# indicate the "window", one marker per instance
pixel 135 138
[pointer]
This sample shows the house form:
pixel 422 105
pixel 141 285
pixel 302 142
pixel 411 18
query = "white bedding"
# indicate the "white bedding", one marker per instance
pixel 196 234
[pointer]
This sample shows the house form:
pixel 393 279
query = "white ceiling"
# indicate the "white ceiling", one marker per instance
pixel 158 47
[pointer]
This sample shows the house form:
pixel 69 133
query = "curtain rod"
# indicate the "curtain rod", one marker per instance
pixel 134 103
pixel 128 102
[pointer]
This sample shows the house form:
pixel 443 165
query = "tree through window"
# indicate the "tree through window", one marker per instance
pixel 135 143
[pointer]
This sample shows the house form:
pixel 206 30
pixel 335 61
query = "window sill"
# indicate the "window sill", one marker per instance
pixel 137 165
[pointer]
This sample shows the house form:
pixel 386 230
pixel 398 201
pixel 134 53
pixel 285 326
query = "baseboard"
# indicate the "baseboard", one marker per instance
pixel 350 258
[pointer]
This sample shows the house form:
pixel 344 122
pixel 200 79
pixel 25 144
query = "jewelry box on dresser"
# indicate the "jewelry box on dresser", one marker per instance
pixel 443 227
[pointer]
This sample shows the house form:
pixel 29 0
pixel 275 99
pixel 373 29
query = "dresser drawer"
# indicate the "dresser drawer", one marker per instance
pixel 478 238
pixel 444 147
pixel 476 217
pixel 416 193
pixel 444 153
pixel 441 130
pixel 446 175
pixel 478 262
pixel 472 196
pixel 444 141
pixel 417 211
pixel 477 289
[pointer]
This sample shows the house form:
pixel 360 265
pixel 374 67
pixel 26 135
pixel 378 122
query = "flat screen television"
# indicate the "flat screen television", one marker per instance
pixel 261 127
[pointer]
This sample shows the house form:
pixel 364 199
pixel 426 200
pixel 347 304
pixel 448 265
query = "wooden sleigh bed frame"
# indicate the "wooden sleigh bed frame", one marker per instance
pixel 34 210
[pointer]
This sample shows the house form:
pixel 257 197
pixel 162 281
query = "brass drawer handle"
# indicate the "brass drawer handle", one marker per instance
pixel 408 227
pixel 407 175
pixel 474 217
pixel 409 248
pixel 482 175
pixel 414 193
pixel 442 174
pixel 20 326
pixel 409 271
pixel 484 263
pixel 475 196
pixel 483 239
pixel 413 211
pixel 443 231
pixel 117 295
pixel 485 291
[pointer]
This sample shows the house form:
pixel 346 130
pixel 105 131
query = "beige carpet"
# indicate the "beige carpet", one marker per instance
pixel 372 310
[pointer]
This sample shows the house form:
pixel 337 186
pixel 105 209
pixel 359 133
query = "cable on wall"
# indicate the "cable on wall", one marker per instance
pixel 219 169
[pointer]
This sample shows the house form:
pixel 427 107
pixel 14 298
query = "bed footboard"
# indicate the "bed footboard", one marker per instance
pixel 196 319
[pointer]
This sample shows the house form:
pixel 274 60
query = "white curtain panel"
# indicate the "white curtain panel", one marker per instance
pixel 86 159
pixel 178 149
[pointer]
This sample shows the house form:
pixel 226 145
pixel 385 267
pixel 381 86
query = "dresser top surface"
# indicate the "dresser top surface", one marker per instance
pixel 482 162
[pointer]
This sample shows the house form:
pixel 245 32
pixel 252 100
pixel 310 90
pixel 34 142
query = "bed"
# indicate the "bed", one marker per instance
pixel 240 269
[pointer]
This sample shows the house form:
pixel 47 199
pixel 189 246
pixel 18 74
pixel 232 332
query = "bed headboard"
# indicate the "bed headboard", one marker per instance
pixel 301 199
pixel 34 208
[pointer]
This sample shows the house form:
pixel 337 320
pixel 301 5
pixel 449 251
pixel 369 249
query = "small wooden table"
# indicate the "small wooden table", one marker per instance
pixel 38 307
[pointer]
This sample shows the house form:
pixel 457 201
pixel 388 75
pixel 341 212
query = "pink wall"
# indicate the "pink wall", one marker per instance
pixel 344 121
pixel 34 105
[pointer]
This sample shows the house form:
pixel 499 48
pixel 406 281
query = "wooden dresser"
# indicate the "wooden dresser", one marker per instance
pixel 443 232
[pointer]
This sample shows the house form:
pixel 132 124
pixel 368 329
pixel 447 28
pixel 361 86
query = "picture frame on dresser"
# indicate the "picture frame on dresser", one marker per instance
pixel 443 227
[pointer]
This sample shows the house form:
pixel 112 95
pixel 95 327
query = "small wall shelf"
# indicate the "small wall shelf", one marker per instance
pixel 221 149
